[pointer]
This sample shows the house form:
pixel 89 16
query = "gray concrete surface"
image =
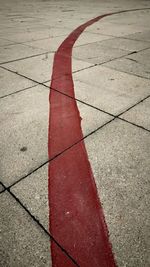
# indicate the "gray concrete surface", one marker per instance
pixel 11 83
pixel 139 114
pixel 17 51
pixel 39 68
pixel 23 243
pixel 119 152
pixel 118 91
pixel 1 188
pixel 35 197
pixel 137 64
pixel 24 147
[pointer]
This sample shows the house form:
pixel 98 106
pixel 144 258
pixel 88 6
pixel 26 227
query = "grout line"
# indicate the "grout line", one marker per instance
pixel 17 199
pixel 21 90
pixel 94 131
pixel 19 59
pixel 134 105
pixel 41 83
pixel 129 73
pixel 107 61
pixel 93 65
pixel 21 75
pixel 134 124
pixel 59 154
pixel 121 36
pixel 108 113
pixel 39 224
pixel 100 41
pixel 137 40
pixel 3 190
pixel 113 59
pixel 30 40
pixel 82 102
pixel 85 103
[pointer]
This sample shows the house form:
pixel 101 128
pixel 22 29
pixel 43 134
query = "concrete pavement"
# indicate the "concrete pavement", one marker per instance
pixel 110 67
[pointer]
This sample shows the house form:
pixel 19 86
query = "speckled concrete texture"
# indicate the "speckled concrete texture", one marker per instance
pixel 111 71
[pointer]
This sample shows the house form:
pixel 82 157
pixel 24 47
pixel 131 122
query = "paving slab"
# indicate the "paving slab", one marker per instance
pixel 37 35
pixel 137 64
pixel 23 243
pixel 97 53
pixel 18 28
pixel 24 119
pixel 122 24
pixel 33 192
pixel 142 36
pixel 52 44
pixel 117 30
pixel 49 44
pixel 4 42
pixel 125 44
pixel 11 82
pixel 130 18
pixel 17 51
pixel 119 154
pixel 39 68
pixel 88 37
pixel 139 114
pixel 23 132
pixel 108 89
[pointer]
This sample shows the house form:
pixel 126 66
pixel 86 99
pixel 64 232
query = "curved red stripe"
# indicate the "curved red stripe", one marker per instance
pixel 76 216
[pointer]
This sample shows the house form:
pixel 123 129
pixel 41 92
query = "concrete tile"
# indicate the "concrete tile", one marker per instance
pixel 91 118
pixel 137 64
pixel 30 67
pixel 142 57
pixel 12 30
pixel 10 82
pixel 125 44
pixel 17 51
pixel 23 242
pixel 87 37
pixel 140 114
pixel 97 53
pixel 4 42
pixel 24 126
pixel 130 18
pixel 50 44
pixel 33 190
pixel 37 35
pixel 110 90
pixel 120 157
pixel 141 36
pixel 118 30
pixel 119 153
pixel 23 142
pixel 33 193
pixel 1 188
pixel 40 68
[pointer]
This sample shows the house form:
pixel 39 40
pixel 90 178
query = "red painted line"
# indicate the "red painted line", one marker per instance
pixel 76 216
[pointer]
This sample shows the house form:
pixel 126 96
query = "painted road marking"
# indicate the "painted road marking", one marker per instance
pixel 76 216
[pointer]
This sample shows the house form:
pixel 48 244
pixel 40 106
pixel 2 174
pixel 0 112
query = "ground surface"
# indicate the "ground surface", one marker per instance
pixel 111 71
